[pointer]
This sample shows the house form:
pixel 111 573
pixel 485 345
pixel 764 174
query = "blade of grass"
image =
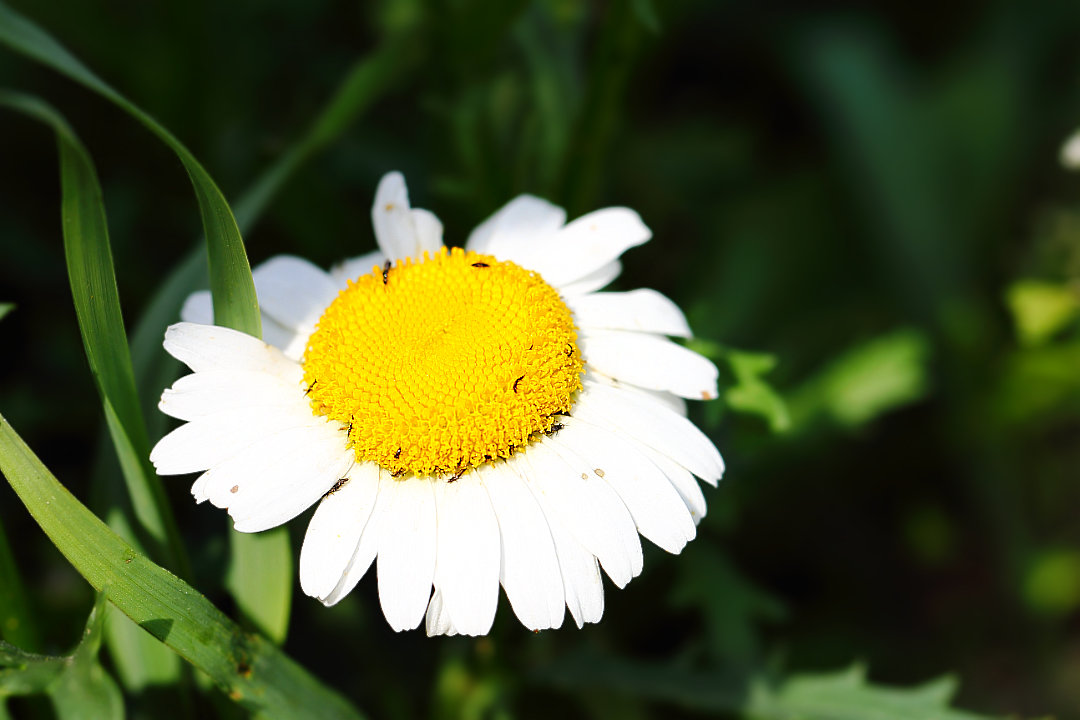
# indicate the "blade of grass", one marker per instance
pixel 248 668
pixel 230 273
pixel 101 324
pixel 16 623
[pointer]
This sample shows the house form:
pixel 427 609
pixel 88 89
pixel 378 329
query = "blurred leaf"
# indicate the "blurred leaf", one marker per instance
pixel 645 12
pixel 731 605
pixel 1041 309
pixel 16 623
pixel 1039 381
pixel 230 274
pixel 101 324
pixel 847 696
pixel 1052 585
pixel 260 578
pixel 79 687
pixel 249 669
pixel 5 308
pixel 867 381
pixel 752 395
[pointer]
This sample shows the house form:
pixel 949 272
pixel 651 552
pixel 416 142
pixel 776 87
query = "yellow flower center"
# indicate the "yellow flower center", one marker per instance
pixel 440 365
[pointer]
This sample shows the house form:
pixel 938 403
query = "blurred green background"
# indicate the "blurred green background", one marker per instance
pixel 859 206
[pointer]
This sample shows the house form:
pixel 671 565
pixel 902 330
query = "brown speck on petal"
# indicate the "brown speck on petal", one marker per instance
pixel 234 489
pixel 599 472
pixel 584 476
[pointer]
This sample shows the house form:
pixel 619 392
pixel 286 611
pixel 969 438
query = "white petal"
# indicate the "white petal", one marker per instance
pixel 640 310
pixel 467 561
pixel 650 361
pixel 653 425
pixel 207 441
pixel 582 585
pixel 213 391
pixel 407 552
pixel 585 245
pixel 671 402
pixel 682 480
pixel 368 547
pixel 592 282
pixel 522 222
pixel 658 511
pixel 277 478
pixel 198 308
pixel 209 347
pixel 335 529
pixel 437 621
pixel 529 569
pixel 399 232
pixel 294 292
pixel 587 506
pixel 353 268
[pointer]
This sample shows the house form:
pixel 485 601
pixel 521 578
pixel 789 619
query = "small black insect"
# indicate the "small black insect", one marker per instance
pixel 310 387
pixel 337 486
pixel 457 476
pixel 397 474
pixel 480 265
pixel 554 429
pixel 386 272
pixel 517 381
pixel 397 454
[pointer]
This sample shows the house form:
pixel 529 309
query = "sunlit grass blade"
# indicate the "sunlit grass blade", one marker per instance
pixel 230 274
pixel 249 669
pixel 97 306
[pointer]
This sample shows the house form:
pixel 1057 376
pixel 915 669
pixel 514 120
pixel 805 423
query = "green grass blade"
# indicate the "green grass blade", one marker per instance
pixel 235 305
pixel 5 308
pixel 97 306
pixel 17 625
pixel 249 669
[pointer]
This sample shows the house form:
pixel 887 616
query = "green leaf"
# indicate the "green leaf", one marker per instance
pixel 248 668
pixel 97 306
pixel 230 273
pixel 866 381
pixel 847 696
pixel 79 687
pixel 5 308
pixel 1040 309
pixel 751 394
pixel 260 579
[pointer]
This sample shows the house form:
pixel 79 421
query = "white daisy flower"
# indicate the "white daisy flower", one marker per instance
pixel 469 417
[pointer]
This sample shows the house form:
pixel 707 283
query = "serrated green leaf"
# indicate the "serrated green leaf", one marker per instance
pixel 230 273
pixel 847 695
pixel 1040 309
pixel 101 324
pixel 248 668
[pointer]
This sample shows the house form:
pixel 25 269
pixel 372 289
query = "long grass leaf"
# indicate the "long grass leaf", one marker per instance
pixel 230 274
pixel 17 625
pixel 249 669
pixel 97 306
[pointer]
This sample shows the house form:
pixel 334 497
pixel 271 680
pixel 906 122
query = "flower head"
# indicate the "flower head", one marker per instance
pixel 464 418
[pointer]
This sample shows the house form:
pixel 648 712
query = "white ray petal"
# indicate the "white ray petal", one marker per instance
pixel 213 391
pixel 334 531
pixel 529 569
pixel 585 245
pixel 406 564
pixel 682 480
pixel 651 424
pixel 368 547
pixel 580 570
pixel 651 361
pixel 353 268
pixel 198 308
pixel 524 221
pixel 208 441
pixel 592 282
pixel 638 310
pixel 209 347
pixel 437 621
pixel 275 479
pixel 587 506
pixel 399 231
pixel 661 397
pixel 293 291
pixel 658 511
pixel 467 560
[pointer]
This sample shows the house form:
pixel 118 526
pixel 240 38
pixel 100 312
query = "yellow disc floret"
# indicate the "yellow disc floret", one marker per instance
pixel 437 366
